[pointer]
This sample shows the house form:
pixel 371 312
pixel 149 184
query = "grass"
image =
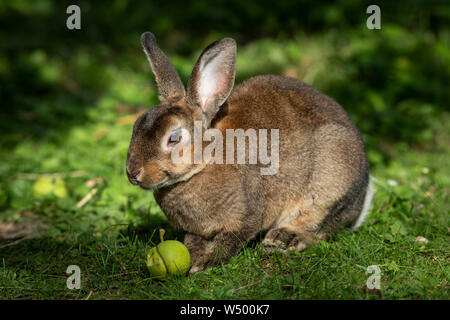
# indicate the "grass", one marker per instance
pixel 77 132
pixel 111 255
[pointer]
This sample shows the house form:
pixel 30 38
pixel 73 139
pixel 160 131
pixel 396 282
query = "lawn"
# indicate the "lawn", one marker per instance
pixel 67 116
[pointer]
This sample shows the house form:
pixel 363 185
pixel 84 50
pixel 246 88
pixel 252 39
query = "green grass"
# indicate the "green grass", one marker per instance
pixel 109 244
pixel 73 116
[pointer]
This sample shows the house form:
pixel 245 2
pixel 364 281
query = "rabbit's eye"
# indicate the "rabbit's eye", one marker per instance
pixel 175 138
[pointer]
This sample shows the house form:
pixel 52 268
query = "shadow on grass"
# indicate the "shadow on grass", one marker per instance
pixel 41 256
pixel 148 231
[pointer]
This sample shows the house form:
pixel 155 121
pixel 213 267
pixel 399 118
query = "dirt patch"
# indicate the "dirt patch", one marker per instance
pixel 14 232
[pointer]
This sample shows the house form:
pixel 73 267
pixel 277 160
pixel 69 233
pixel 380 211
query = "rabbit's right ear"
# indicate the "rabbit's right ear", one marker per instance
pixel 212 78
pixel 169 83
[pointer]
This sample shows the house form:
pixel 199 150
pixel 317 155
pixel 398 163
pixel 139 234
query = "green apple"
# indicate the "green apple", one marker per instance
pixel 43 187
pixel 59 188
pixel 169 258
pixel 47 186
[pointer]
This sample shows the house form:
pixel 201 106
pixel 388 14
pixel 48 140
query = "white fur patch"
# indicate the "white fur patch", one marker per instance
pixel 366 207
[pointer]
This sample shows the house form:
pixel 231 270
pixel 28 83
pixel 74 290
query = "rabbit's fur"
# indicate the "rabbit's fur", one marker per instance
pixel 323 174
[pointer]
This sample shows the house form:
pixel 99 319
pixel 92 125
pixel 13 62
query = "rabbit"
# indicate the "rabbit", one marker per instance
pixel 322 183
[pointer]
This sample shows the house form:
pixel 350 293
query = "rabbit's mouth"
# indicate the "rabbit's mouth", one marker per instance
pixel 163 183
pixel 144 186
pixel 168 179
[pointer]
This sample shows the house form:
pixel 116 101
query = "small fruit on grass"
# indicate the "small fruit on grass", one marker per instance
pixel 47 186
pixel 43 187
pixel 59 189
pixel 170 257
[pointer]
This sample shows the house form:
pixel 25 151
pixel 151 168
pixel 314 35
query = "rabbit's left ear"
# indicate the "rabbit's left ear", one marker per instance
pixel 212 78
pixel 169 83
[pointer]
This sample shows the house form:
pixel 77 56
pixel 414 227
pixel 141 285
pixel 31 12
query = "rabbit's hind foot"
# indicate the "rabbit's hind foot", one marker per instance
pixel 284 239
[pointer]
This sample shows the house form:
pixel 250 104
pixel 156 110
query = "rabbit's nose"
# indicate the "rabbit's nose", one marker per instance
pixel 136 177
pixel 134 171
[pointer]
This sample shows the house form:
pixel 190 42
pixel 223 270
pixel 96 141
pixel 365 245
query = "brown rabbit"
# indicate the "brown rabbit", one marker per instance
pixel 322 183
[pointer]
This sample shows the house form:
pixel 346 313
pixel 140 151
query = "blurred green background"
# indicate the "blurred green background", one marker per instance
pixel 69 97
pixel 393 81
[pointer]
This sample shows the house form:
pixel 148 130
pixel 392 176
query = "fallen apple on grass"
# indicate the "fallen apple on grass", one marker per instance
pixel 47 186
pixel 169 258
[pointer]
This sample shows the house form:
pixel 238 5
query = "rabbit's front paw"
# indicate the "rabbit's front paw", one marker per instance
pixel 197 247
pixel 207 253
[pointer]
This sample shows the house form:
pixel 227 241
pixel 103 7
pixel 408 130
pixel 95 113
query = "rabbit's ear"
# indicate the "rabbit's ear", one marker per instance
pixel 169 83
pixel 212 78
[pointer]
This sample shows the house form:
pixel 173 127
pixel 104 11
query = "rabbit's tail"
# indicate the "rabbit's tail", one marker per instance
pixel 366 207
